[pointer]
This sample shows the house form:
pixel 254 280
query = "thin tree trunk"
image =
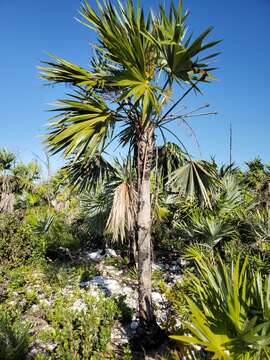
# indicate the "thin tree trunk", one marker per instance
pixel 132 250
pixel 144 223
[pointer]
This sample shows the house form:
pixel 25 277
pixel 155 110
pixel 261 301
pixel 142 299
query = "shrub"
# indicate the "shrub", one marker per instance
pixel 82 333
pixel 18 243
pixel 54 232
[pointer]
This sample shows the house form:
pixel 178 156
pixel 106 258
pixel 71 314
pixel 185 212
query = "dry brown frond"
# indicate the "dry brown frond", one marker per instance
pixel 122 217
pixel 7 201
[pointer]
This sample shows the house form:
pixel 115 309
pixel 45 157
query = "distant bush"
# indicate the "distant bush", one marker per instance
pixel 52 228
pixel 18 243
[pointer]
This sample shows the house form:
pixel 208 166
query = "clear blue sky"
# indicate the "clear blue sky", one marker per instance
pixel 242 95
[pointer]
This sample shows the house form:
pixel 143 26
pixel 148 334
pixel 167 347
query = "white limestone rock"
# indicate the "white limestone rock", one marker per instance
pixel 96 255
pixel 79 305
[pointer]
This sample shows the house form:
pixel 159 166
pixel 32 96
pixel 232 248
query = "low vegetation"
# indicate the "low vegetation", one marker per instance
pixel 210 275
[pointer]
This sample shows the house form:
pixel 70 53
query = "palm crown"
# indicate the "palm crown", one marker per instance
pixel 137 60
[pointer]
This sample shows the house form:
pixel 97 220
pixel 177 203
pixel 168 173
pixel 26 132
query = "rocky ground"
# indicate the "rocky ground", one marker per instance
pixel 121 284
pixel 111 277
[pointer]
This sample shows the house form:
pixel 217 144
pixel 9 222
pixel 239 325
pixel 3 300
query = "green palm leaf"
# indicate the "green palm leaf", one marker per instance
pixel 63 71
pixel 80 125
pixel 194 180
pixel 224 300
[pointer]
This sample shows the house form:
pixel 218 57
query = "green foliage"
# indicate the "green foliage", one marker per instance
pixel 17 279
pixel 170 158
pixel 125 312
pixel 88 273
pixel 208 230
pixel 52 229
pixel 80 334
pixel 95 209
pixel 27 174
pixel 230 197
pixel 229 310
pixel 42 230
pixel 109 209
pixel 7 158
pixel 257 174
pixel 195 179
pixel 260 226
pixel 14 338
pixel 18 243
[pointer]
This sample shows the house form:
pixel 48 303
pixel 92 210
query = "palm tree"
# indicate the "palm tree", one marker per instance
pixel 126 96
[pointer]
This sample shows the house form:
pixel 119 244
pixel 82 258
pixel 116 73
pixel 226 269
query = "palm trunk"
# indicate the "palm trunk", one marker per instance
pixel 144 222
pixel 132 250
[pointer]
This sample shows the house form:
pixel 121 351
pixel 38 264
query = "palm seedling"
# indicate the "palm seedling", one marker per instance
pixel 229 310
pixel 206 230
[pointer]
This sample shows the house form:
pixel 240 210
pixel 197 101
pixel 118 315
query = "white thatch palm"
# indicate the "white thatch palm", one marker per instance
pixel 127 96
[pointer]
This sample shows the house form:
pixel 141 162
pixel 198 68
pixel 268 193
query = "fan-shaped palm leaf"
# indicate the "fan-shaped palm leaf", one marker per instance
pixel 89 170
pixel 194 180
pixel 209 230
pixel 84 122
pixel 95 207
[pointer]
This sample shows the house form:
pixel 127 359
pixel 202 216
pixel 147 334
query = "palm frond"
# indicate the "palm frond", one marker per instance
pixel 120 31
pixel 195 179
pixel 170 158
pixel 122 217
pixel 82 123
pixel 230 197
pixel 209 230
pixel 7 158
pixel 63 71
pixel 222 310
pixel 95 208
pixel 176 54
pixel 89 171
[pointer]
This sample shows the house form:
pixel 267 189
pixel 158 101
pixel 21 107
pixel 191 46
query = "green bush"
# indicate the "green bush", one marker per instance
pixel 18 243
pixel 52 228
pixel 80 334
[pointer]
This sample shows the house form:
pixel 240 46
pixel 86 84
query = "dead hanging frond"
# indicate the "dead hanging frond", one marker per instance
pixel 7 202
pixel 8 185
pixel 122 217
